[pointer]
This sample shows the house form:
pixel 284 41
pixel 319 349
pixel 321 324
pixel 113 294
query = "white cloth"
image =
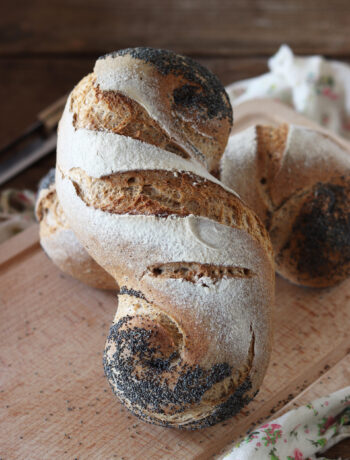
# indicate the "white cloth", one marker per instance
pixel 300 433
pixel 316 87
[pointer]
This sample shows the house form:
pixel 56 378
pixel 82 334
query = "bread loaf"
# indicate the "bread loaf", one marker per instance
pixel 191 338
pixel 298 182
pixel 60 243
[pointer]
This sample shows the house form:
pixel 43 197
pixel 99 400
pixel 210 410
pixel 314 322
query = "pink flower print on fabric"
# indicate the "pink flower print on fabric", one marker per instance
pixel 275 426
pixel 329 93
pixel 298 455
pixel 251 436
pixel 299 434
pixel 325 119
pixel 325 424
pixel 272 432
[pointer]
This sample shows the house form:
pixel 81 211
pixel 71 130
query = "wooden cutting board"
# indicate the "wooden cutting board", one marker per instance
pixel 55 400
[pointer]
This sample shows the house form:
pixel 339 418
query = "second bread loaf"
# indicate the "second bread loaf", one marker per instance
pixel 60 243
pixel 298 182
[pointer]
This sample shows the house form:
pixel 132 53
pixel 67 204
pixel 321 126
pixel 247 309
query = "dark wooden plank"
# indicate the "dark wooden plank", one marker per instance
pixel 339 451
pixel 225 27
pixel 29 85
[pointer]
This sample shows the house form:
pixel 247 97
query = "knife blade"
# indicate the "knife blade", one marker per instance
pixel 20 160
pixel 34 143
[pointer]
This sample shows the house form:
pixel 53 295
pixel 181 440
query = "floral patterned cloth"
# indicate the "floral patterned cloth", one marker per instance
pixel 316 87
pixel 16 212
pixel 301 433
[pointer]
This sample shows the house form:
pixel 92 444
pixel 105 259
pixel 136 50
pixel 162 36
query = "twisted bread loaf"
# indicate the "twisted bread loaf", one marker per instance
pixel 298 182
pixel 191 339
pixel 60 243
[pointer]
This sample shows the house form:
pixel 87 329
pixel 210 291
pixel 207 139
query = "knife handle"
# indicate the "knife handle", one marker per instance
pixel 50 116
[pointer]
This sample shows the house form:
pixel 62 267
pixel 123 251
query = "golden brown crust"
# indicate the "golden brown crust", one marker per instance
pixel 304 196
pixel 161 193
pixel 312 232
pixel 62 246
pixel 114 112
pixel 193 271
pixel 271 144
pixel 141 353
pixel 47 203
pixel 178 394
pixel 189 98
pixel 181 351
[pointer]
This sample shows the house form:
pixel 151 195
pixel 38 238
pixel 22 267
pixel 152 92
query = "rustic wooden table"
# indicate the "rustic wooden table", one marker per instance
pixel 46 47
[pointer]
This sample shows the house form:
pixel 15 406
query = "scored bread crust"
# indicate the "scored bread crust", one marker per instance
pixel 191 339
pixel 298 182
pixel 117 113
pixel 62 246
pixel 183 98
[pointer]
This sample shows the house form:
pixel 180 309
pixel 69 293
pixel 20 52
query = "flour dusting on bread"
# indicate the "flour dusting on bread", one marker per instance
pixel 185 350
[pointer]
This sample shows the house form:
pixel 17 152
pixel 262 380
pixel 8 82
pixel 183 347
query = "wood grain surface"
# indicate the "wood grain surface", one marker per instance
pixel 196 27
pixel 55 400
pixel 46 47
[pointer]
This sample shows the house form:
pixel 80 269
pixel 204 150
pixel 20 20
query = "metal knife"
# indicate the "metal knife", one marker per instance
pixel 34 143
